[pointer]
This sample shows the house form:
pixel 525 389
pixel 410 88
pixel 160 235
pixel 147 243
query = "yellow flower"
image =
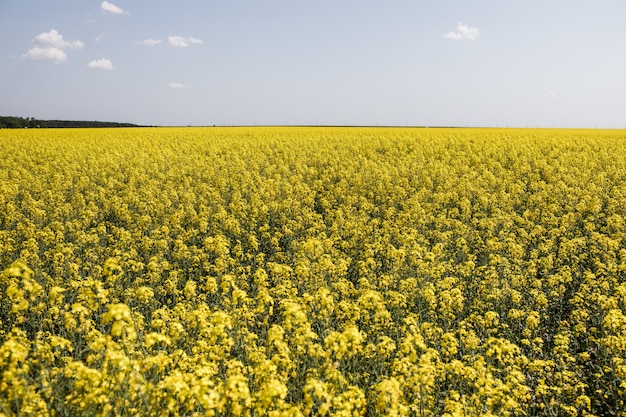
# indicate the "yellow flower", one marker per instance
pixel 121 321
pixel 152 339
pixel 144 294
pixel 389 398
pixel 347 343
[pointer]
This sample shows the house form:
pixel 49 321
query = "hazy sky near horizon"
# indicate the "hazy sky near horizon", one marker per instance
pixel 347 62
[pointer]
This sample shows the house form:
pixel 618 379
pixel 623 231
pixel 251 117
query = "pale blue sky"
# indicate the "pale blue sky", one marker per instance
pixel 358 62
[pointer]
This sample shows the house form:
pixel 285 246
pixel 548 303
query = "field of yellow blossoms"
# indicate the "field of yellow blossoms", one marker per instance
pixel 312 272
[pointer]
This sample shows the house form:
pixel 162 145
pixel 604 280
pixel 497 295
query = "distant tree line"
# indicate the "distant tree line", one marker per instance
pixel 13 122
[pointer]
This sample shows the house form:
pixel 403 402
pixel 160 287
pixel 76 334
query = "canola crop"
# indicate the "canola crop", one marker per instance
pixel 312 272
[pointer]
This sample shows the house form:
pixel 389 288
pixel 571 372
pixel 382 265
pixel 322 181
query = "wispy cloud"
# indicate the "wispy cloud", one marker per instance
pixel 176 41
pixel 112 8
pixel 151 42
pixel 549 94
pixel 463 32
pixel 101 64
pixel 181 42
pixel 177 86
pixel 51 46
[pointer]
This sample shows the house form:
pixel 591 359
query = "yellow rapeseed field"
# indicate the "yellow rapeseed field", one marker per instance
pixel 312 272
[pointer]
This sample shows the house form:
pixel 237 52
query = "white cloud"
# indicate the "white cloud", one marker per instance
pixel 55 40
pixel 37 53
pixel 180 42
pixel 151 42
pixel 177 86
pixel 111 8
pixel 549 94
pixel 50 46
pixel 101 64
pixel 453 35
pixel 464 32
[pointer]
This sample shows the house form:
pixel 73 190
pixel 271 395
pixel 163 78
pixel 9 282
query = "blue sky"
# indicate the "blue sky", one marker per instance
pixel 451 62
